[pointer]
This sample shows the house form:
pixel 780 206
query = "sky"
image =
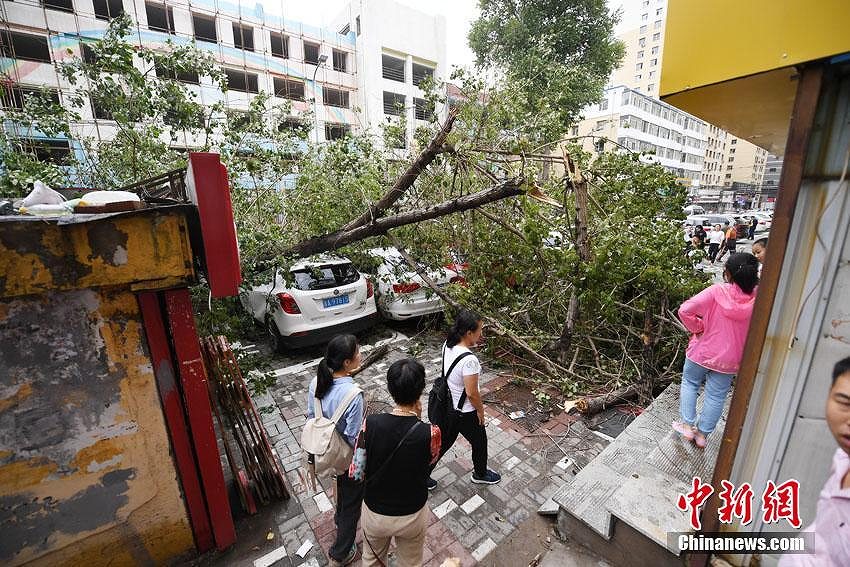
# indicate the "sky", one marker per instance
pixel 459 17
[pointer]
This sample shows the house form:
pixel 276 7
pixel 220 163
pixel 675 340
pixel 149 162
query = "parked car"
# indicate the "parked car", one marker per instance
pixel 694 210
pixel 313 301
pixel 740 223
pixel 401 291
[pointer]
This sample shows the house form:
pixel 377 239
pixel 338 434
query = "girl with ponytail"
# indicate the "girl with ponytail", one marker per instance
pixel 462 369
pixel 718 319
pixel 332 384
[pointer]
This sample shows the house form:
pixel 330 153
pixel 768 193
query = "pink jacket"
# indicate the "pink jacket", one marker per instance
pixel 718 317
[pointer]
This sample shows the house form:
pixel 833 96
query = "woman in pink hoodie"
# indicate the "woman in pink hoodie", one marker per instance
pixel 718 318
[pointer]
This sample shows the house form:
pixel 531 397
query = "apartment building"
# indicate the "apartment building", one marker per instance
pixel 399 50
pixel 319 70
pixel 727 159
pixel 638 122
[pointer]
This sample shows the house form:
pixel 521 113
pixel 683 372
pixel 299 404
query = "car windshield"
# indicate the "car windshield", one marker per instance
pixel 325 277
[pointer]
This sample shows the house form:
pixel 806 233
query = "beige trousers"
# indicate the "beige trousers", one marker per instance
pixel 378 530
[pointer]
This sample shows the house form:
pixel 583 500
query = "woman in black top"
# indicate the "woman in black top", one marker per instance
pixel 399 450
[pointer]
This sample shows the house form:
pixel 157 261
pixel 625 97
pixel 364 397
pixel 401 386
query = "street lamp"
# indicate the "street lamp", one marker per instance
pixel 321 61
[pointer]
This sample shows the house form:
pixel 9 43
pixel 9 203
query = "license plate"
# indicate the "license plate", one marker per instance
pixel 334 301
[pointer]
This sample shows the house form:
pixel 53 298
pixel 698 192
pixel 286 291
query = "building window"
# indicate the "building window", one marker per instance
pixel 655 50
pixel 336 131
pixel 658 11
pixel 24 46
pixel 734 141
pixel 292 125
pixel 728 168
pixel 48 151
pixel 99 111
pixel 392 68
pixel 651 74
pixel 160 17
pixel 642 42
pixel 108 9
pixel 640 54
pixel 346 29
pixel 16 96
pixel 190 77
pixel 421 72
pixel 732 150
pixel 287 88
pixel 650 87
pixel 728 176
pixel 603 104
pixel 393 103
pixel 657 24
pixel 61 5
pixel 653 62
pixel 639 66
pixel 423 109
pixel 243 37
pixel 656 36
pixel 643 29
pixel 238 80
pixel 357 24
pixel 340 61
pixel 280 45
pixel 771 170
pixel 334 97
pixel 311 53
pixel 637 78
pixel 204 28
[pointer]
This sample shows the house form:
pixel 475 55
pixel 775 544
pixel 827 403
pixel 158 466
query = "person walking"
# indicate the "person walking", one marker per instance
pixel 730 240
pixel 331 386
pixel 399 449
pixel 715 239
pixel 718 319
pixel 468 415
pixel 754 222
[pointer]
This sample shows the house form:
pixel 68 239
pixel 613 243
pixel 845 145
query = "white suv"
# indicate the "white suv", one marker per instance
pixel 318 298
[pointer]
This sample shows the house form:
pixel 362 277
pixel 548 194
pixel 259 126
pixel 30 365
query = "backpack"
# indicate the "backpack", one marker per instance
pixel 320 438
pixel 440 398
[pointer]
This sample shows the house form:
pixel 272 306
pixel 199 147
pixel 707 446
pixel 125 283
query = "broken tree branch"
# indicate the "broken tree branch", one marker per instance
pixel 403 183
pixel 339 238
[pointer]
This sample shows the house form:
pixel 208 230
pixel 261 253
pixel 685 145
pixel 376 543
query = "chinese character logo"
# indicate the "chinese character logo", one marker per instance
pixel 693 501
pixel 736 503
pixel 782 502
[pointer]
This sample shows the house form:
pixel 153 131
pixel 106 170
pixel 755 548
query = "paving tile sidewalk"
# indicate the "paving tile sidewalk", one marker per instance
pixel 466 520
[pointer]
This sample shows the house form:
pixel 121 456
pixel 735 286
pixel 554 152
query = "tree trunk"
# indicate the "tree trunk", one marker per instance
pixel 340 238
pixel 407 179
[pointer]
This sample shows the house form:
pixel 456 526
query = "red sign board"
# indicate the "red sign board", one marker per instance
pixel 208 188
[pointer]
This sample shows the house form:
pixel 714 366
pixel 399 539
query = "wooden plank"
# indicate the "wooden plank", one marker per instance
pixel 193 379
pixel 175 420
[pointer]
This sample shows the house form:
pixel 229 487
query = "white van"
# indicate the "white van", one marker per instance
pixel 694 210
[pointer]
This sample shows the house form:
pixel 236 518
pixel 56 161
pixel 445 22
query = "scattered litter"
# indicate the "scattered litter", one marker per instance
pixel 498 518
pixel 536 561
pixel 602 435
pixel 569 405
pixel 565 464
pixel 304 549
pixel 270 536
pixel 271 558
pixel 516 414
pixel 41 194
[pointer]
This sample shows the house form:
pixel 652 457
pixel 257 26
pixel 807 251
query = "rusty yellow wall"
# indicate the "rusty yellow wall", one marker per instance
pixel 145 250
pixel 86 472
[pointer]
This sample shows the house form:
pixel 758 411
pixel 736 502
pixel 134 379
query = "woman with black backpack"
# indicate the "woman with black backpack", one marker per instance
pixel 467 411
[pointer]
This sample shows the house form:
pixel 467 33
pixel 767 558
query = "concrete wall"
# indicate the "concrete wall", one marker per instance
pixel 85 466
pixel 86 472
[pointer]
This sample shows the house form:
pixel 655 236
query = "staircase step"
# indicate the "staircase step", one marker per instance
pixel 586 496
pixel 647 499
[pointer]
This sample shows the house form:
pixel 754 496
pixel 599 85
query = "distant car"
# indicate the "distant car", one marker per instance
pixel 401 291
pixel 313 301
pixel 694 210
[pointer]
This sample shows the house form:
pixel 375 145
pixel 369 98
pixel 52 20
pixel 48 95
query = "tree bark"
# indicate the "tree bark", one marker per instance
pixel 340 238
pixel 407 179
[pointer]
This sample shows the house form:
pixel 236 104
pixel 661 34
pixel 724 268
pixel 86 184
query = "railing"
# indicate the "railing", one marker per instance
pixel 168 187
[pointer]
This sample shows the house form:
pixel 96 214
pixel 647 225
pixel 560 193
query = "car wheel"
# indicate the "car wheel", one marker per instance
pixel 274 335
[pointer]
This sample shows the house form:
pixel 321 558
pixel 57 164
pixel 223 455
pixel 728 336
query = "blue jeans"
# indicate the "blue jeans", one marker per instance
pixel 717 386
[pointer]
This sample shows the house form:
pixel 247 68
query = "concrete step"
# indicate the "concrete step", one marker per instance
pixel 585 497
pixel 647 499
pixel 623 504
